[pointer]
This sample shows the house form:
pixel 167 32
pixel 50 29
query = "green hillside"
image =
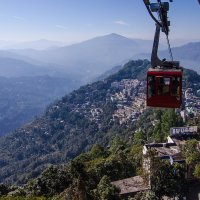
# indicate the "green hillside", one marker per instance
pixel 66 129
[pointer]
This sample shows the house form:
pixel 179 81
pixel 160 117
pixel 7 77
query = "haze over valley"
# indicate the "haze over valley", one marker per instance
pixel 66 68
pixel 90 58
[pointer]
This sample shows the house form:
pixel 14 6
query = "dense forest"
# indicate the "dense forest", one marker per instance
pixel 89 175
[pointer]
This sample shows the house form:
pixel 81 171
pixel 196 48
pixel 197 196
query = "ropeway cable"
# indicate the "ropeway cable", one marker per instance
pixel 169 48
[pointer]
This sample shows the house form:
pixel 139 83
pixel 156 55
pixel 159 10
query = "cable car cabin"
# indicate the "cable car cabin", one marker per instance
pixel 164 88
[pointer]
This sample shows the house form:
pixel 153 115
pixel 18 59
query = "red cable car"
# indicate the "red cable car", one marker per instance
pixel 164 78
pixel 164 88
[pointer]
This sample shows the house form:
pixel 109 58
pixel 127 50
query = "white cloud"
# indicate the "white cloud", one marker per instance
pixel 121 22
pixel 19 18
pixel 61 27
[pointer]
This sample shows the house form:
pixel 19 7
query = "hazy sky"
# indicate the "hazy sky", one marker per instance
pixel 76 20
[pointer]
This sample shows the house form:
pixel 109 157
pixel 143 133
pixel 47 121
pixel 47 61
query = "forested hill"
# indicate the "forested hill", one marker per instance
pixel 23 98
pixel 69 126
pixel 92 114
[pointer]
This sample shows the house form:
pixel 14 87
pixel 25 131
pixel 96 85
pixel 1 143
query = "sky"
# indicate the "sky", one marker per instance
pixel 77 20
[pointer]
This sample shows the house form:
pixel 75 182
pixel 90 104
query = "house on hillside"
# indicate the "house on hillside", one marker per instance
pixel 170 151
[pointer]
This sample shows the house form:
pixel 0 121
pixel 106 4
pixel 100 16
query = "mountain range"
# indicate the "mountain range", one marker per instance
pixel 12 67
pixel 89 59
pixel 37 44
pixel 188 55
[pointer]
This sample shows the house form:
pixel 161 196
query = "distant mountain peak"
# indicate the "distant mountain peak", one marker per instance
pixel 115 35
pixel 110 36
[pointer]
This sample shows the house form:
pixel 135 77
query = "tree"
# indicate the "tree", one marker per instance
pixel 106 190
pixel 77 170
pixel 166 119
pixel 136 157
pixel 191 153
pixel 170 119
pixel 197 171
pixel 117 144
pixel 192 156
pixel 4 189
pixel 52 181
pixel 157 133
pixel 97 151
pixel 150 195
pixel 167 180
pixel 139 137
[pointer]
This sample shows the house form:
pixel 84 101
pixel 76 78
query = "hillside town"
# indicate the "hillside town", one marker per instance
pixel 131 100
pixel 191 103
pixel 129 96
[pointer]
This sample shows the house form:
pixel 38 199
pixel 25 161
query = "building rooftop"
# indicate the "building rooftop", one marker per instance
pixel 164 151
pixel 131 185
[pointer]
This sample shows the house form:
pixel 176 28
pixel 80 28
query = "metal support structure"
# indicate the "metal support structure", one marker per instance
pixel 155 61
pixel 162 23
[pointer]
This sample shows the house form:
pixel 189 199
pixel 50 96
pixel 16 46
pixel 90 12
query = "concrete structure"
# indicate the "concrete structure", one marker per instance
pixel 131 186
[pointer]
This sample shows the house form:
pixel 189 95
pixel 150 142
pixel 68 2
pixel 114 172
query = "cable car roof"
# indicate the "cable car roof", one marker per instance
pixel 164 70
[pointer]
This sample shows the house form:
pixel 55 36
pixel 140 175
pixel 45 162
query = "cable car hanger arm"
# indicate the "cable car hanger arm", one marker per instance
pixel 155 61
pixel 161 9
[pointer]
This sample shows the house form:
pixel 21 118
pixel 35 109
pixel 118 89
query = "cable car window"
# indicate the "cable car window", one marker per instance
pixel 163 85
pixel 151 86
pixel 175 87
pixel 167 81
